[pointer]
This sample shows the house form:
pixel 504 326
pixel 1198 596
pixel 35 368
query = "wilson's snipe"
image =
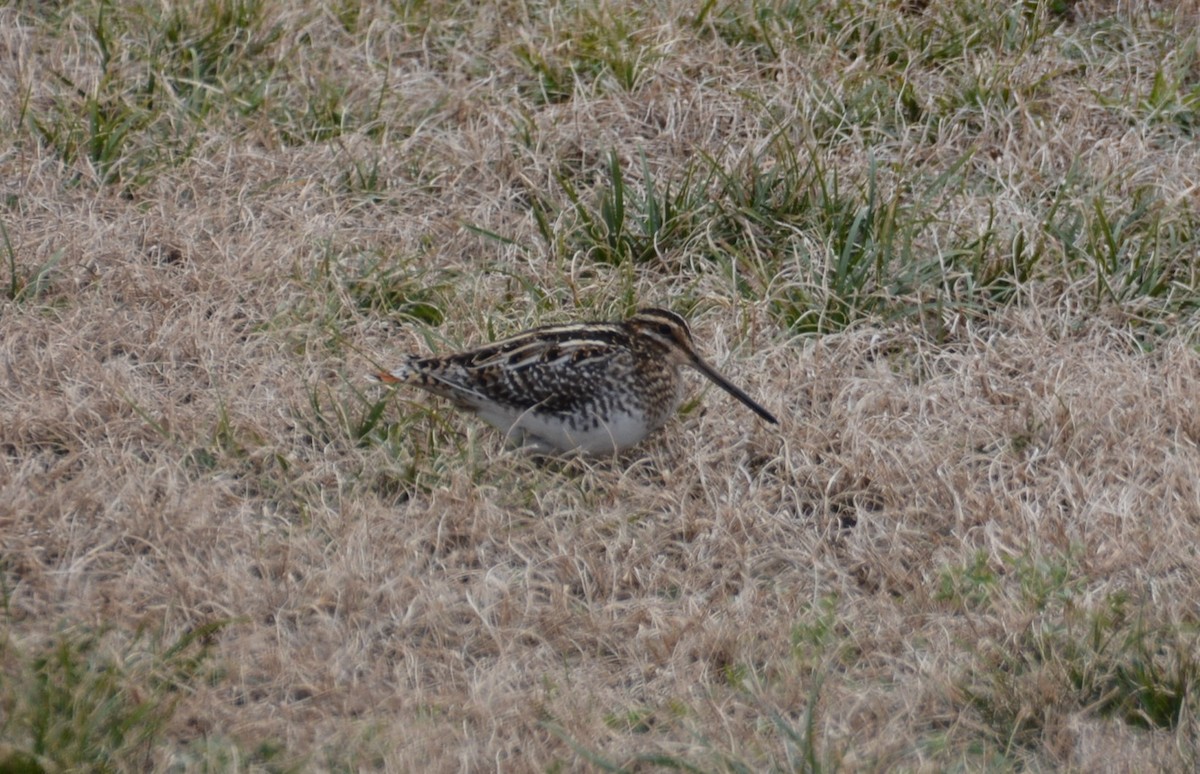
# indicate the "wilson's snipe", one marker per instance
pixel 596 387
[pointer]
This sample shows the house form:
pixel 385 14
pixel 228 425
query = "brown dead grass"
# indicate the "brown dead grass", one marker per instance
pixel 158 469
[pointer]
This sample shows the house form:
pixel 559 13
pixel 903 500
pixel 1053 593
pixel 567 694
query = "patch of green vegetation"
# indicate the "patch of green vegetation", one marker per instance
pixel 598 49
pixel 852 272
pixel 969 586
pixel 1173 97
pixel 886 36
pixel 363 179
pixel 1135 251
pixel 103 126
pixel 217 47
pixel 332 421
pixel 75 705
pixel 554 79
pixel 795 742
pixel 832 253
pixel 1061 651
pixel 752 29
pixel 386 287
pixel 28 285
pixel 423 443
pixel 635 721
pixel 326 112
pixel 229 444
pixel 379 283
pixel 841 254
pixel 797 745
pixel 819 630
pixel 162 70
pixel 857 247
pixel 627 225
pixel 167 73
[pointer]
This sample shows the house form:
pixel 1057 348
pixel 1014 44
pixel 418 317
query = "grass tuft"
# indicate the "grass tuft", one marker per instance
pixel 73 704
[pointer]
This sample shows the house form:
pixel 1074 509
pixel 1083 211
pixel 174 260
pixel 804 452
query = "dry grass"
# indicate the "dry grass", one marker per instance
pixel 951 244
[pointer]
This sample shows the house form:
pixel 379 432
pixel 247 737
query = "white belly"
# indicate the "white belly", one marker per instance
pixel 621 431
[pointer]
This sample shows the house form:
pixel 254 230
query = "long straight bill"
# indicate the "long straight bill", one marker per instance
pixel 728 387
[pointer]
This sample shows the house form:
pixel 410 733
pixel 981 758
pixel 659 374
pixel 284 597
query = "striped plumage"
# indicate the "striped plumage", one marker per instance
pixel 596 387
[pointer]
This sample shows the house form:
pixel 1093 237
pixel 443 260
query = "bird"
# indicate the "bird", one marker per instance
pixel 593 387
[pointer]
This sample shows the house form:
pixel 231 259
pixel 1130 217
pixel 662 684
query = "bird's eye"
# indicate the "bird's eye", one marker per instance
pixel 666 330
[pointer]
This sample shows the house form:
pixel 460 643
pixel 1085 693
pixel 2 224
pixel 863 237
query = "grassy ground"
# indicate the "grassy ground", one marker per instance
pixel 952 244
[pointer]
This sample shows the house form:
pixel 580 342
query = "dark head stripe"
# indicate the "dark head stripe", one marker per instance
pixel 666 315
